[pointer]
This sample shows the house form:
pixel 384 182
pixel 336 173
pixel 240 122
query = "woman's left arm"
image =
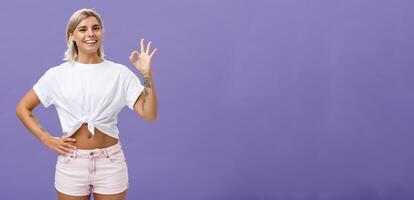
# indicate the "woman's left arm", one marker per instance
pixel 146 104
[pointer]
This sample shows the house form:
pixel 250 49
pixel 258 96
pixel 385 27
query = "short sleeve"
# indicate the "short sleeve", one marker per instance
pixel 43 89
pixel 133 89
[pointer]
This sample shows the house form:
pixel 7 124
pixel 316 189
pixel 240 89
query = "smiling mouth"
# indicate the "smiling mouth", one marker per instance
pixel 90 42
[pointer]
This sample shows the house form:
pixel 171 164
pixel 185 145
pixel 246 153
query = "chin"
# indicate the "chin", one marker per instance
pixel 90 51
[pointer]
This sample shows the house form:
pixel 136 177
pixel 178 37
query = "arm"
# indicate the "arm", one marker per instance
pixel 24 112
pixel 146 104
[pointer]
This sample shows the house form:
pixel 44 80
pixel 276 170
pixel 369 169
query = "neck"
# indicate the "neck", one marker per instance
pixel 88 59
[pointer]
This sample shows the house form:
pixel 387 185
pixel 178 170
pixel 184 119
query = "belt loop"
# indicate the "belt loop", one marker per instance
pixel 105 153
pixel 75 153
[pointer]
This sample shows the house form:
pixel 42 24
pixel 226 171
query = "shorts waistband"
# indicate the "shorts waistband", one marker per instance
pixel 96 153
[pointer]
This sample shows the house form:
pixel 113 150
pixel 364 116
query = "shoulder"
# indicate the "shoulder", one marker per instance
pixel 122 69
pixel 57 69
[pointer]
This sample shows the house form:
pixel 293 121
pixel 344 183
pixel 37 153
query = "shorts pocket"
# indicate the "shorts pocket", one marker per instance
pixel 65 159
pixel 117 157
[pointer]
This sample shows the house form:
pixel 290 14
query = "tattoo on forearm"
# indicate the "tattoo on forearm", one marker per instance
pixel 147 84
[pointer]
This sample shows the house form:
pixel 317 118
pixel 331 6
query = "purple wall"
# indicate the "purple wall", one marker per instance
pixel 258 100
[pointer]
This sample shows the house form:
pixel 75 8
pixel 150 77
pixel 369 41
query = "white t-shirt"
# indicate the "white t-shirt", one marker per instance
pixel 89 93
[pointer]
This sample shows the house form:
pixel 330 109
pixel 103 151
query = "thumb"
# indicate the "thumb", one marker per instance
pixel 133 55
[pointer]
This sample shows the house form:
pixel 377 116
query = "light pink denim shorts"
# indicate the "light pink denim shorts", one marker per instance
pixel 102 171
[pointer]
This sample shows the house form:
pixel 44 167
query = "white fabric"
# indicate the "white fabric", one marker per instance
pixel 89 93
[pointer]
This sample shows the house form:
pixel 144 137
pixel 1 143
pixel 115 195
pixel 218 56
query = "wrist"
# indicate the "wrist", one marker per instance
pixel 45 138
pixel 146 73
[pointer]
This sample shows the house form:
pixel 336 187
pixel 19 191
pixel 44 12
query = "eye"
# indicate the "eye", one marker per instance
pixel 82 30
pixel 96 28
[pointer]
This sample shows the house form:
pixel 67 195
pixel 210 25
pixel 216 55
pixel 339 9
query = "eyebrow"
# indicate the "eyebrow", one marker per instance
pixel 95 25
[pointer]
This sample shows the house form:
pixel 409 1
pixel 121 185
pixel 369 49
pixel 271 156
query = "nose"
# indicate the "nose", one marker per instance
pixel 90 33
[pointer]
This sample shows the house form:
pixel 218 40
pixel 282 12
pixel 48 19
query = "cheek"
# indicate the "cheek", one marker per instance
pixel 78 39
pixel 79 42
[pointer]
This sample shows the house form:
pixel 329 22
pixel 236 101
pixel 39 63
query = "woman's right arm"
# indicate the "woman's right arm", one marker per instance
pixel 24 112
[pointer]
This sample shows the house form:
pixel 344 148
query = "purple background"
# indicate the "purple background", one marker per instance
pixel 258 100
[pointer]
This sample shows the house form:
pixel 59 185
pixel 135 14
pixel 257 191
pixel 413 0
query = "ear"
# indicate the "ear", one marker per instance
pixel 71 37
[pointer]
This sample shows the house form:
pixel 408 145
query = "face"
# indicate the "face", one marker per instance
pixel 87 36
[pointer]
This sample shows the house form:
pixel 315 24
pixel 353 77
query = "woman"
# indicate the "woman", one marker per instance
pixel 88 92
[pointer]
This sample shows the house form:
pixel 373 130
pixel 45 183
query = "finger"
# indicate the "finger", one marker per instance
pixel 68 139
pixel 133 55
pixel 69 146
pixel 153 52
pixel 61 152
pixel 148 47
pixel 142 45
pixel 64 149
pixel 131 58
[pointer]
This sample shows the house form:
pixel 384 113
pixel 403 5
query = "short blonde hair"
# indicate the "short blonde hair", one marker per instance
pixel 72 50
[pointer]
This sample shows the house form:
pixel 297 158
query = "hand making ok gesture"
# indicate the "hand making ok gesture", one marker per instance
pixel 142 60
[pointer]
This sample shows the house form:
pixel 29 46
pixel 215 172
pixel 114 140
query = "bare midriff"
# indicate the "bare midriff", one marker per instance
pixel 87 140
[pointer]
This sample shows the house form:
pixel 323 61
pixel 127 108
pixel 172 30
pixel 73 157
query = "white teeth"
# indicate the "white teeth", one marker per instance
pixel 90 41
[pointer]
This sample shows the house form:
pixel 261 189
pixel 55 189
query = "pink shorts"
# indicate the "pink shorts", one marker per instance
pixel 102 171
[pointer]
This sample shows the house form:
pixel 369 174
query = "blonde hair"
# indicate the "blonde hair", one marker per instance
pixel 72 50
